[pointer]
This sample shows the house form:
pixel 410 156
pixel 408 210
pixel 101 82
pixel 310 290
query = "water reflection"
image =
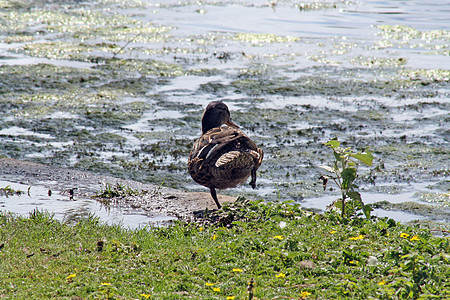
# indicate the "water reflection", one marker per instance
pixel 67 210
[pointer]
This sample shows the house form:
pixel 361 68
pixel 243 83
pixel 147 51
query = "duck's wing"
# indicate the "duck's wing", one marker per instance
pixel 219 140
pixel 224 157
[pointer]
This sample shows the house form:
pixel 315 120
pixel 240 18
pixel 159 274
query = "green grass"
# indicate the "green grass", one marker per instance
pixel 289 253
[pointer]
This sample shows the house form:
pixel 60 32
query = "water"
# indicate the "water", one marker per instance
pixel 65 209
pixel 373 73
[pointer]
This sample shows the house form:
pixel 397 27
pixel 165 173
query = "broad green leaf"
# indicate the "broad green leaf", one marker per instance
pixel 348 175
pixel 338 156
pixel 333 143
pixel 366 210
pixel 364 157
pixel 354 195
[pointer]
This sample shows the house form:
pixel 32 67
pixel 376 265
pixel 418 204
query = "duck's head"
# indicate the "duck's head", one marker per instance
pixel 215 115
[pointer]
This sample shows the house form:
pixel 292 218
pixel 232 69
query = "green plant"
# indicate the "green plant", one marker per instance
pixel 117 191
pixel 9 191
pixel 344 174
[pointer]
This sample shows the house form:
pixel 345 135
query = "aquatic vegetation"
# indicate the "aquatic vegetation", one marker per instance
pixel 260 39
pixel 434 75
pixel 406 33
pixel 436 212
pixel 117 191
pixel 318 5
pixel 128 3
pixel 82 23
pixel 68 51
pixel 438 198
pixel 377 61
pixel 401 35
pixel 9 191
pixel 143 67
pixel 29 81
pixel 17 39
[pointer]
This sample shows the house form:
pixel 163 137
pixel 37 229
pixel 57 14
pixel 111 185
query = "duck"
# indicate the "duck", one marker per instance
pixel 223 157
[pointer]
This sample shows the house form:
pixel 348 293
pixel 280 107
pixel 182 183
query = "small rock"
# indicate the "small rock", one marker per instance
pixel 372 261
pixel 306 264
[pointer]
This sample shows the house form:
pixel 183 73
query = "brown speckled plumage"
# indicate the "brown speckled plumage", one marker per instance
pixel 223 156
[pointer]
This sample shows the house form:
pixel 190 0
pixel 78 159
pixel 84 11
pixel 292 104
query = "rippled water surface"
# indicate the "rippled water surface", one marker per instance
pixel 118 88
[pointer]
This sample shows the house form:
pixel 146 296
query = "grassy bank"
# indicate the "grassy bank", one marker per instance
pixel 264 251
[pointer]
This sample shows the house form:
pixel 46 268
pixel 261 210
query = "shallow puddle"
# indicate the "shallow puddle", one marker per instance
pixel 67 209
pixel 118 88
pixel 405 206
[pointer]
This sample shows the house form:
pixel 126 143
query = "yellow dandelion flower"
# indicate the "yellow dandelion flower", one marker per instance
pixel 200 229
pixel 214 237
pixel 332 232
pixel 414 238
pixel 382 282
pixel 237 270
pixel 146 296
pixel 71 276
pixel 281 275
pixel 304 294
pixel 404 235
pixel 359 237
pixel 216 289
pixel 230 297
pixel 209 284
pixel 105 283
pixel 278 237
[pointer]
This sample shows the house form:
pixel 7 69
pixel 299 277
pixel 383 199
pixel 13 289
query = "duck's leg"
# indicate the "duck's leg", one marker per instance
pixel 214 196
pixel 253 181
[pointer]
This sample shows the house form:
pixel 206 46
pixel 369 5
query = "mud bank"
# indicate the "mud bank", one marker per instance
pixel 72 186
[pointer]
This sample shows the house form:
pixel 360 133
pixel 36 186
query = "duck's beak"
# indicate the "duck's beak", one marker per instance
pixel 231 124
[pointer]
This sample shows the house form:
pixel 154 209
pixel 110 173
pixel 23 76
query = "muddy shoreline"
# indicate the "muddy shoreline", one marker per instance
pixel 153 200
